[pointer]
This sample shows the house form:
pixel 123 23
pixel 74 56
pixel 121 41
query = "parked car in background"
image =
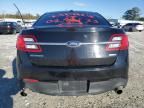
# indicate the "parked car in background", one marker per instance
pixel 9 27
pixel 27 24
pixel 72 53
pixel 133 27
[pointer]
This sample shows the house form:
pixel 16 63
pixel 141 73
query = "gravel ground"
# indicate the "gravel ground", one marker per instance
pixel 133 96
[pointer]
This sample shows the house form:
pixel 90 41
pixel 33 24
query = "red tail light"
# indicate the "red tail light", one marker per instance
pixel 23 43
pixel 9 27
pixel 118 42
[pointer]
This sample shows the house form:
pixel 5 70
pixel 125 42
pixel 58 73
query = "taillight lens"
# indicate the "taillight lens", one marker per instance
pixel 9 27
pixel 118 42
pixel 23 44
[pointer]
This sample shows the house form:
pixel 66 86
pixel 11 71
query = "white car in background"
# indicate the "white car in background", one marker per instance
pixel 133 27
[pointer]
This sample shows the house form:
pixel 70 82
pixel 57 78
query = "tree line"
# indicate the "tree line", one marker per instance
pixel 133 14
pixel 17 16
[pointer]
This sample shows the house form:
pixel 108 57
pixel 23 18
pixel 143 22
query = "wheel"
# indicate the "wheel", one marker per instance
pixel 140 30
pixel 130 29
pixel 14 32
pixel 125 30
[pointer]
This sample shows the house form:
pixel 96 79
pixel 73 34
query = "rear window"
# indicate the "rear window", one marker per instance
pixel 129 24
pixel 71 18
pixel 133 24
pixel 137 24
pixel 5 23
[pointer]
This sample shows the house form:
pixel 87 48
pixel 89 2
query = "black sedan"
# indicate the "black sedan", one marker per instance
pixel 9 27
pixel 72 53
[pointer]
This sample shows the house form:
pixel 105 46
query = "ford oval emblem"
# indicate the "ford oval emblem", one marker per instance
pixel 73 44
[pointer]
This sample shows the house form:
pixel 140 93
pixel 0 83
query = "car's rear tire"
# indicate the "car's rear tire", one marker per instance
pixel 130 29
pixel 14 32
pixel 140 30
pixel 124 29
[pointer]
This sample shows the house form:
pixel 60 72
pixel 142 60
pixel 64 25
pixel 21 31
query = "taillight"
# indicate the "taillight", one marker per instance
pixel 118 42
pixel 26 43
pixel 9 27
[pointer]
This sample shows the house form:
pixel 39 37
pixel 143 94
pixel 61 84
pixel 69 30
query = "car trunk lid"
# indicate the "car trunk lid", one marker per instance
pixel 73 46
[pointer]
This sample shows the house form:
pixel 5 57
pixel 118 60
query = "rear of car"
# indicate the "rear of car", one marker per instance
pixel 139 27
pixel 9 27
pixel 133 27
pixel 72 53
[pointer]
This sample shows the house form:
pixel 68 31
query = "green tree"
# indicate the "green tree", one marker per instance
pixel 132 14
pixel 141 19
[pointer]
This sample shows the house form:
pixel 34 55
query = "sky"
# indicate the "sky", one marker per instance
pixel 108 8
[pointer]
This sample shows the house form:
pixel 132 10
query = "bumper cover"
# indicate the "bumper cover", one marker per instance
pixel 68 89
pixel 93 80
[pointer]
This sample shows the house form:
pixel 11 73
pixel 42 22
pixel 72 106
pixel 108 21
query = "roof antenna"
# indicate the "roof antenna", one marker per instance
pixel 20 14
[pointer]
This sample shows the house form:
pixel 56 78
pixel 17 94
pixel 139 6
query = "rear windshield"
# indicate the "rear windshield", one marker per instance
pixel 137 24
pixel 133 24
pixel 5 23
pixel 59 19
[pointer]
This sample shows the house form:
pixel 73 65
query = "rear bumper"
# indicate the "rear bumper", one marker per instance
pixel 56 88
pixel 95 79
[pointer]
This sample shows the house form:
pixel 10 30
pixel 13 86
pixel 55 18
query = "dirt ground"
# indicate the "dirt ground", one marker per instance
pixel 132 97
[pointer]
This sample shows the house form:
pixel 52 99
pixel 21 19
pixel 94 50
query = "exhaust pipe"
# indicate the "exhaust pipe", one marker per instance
pixel 119 90
pixel 23 93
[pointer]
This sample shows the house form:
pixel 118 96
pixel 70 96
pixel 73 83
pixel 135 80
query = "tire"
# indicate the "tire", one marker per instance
pixel 14 32
pixel 140 30
pixel 130 29
pixel 125 30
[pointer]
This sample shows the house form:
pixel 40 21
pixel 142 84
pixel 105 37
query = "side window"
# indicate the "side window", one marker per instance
pixel 3 24
pixel 6 24
pixel 129 24
pixel 137 24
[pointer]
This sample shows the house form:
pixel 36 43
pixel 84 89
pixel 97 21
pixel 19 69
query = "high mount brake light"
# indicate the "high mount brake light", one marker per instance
pixel 22 44
pixel 120 42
